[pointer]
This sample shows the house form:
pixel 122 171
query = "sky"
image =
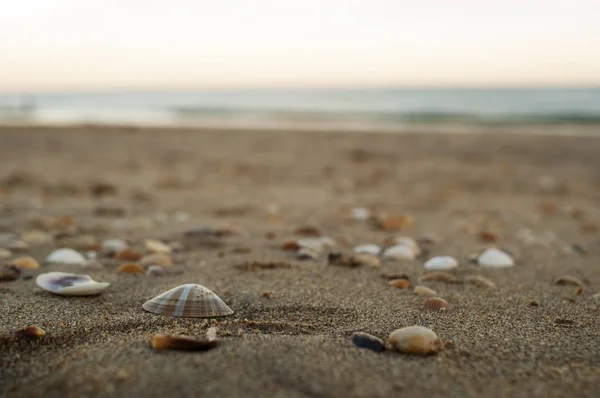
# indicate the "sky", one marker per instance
pixel 158 44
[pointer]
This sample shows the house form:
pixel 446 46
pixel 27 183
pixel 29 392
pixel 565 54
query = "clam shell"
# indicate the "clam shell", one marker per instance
pixel 66 256
pixel 188 301
pixel 480 281
pixel 26 262
pixel 495 258
pixel 400 283
pixel 114 245
pixel 366 259
pixel 369 249
pixel 424 291
pixel 441 263
pixel 156 246
pixel 400 252
pixel 128 254
pixel 416 340
pixel 407 241
pixel 368 341
pixel 70 284
pixel 436 304
pixel 156 259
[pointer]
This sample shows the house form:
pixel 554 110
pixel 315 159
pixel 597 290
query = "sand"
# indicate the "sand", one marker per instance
pixel 294 341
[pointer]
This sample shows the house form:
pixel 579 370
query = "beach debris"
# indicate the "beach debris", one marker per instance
pixel 360 213
pixel 308 230
pixel 25 262
pixel 128 254
pixel 400 283
pixel 371 260
pixel 5 253
pixel 183 343
pixel 66 284
pixel 396 222
pixel 415 340
pixel 480 281
pixel 256 265
pixel 130 268
pixel 156 270
pixel 156 259
pixel 439 276
pixel 188 301
pixel 489 236
pixel 441 263
pixel 495 258
pixel 424 291
pixel 368 341
pixel 31 333
pixel 567 280
pixel 369 248
pixel 156 246
pixel 436 304
pixel 36 237
pixel 111 246
pixel 66 256
pixel 400 252
pixel 9 273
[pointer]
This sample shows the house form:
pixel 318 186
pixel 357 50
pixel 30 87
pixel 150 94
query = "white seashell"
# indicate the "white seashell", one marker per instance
pixel 156 246
pixel 188 301
pixel 70 284
pixel 370 249
pixel 360 213
pixel 316 244
pixel 400 252
pixel 66 256
pixel 495 258
pixel 114 245
pixel 416 340
pixel 410 242
pixel 441 263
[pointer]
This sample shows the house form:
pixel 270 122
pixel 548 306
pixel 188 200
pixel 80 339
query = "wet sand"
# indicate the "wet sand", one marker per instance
pixel 294 341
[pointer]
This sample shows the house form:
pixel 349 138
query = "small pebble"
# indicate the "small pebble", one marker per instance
pixel 26 262
pixel 4 254
pixel 424 291
pixel 37 237
pixel 307 254
pixel 360 214
pixel 441 263
pixel 396 223
pixel 488 236
pixel 415 340
pixel 184 343
pixel 31 333
pixel 534 303
pixel 436 304
pixel 495 258
pixel 368 341
pixel 128 254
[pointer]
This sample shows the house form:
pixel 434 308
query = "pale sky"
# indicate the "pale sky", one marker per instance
pixel 136 44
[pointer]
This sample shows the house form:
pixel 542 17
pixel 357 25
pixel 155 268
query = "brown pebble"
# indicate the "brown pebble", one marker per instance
pixel 488 236
pixel 130 268
pixel 534 303
pixel 31 332
pixel 480 281
pixel 400 283
pixel 268 295
pixel 290 245
pixel 579 291
pixel 156 259
pixel 185 343
pixel 567 280
pixel 436 304
pixel 128 254
pixel 439 276
pixel 396 222
pixel 26 262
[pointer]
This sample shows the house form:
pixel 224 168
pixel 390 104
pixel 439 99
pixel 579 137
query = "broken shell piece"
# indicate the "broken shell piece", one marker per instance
pixel 156 259
pixel 480 281
pixel 66 256
pixel 441 263
pixel 568 280
pixel 400 283
pixel 436 304
pixel 185 343
pixel 400 252
pixel 439 277
pixel 156 270
pixel 370 249
pixel 26 262
pixel 366 259
pixel 70 284
pixel 188 301
pixel 156 246
pixel 416 340
pixel 368 341
pixel 307 254
pixel 31 332
pixel 130 268
pixel 113 245
pixel 495 258
pixel 128 254
pixel 424 291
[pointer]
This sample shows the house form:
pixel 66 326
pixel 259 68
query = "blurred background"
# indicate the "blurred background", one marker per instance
pixel 331 64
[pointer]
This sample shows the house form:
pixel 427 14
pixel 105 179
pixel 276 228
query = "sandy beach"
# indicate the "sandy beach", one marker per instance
pixel 537 196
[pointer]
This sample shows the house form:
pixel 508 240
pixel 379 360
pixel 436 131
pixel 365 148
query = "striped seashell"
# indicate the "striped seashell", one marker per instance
pixel 189 300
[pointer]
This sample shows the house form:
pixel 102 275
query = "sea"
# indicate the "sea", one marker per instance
pixel 386 109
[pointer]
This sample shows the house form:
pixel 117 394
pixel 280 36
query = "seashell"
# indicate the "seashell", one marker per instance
pixel 495 258
pixel 114 245
pixel 400 252
pixel 66 256
pixel 370 249
pixel 441 263
pixel 31 332
pixel 424 291
pixel 568 280
pixel 156 259
pixel 9 273
pixel 130 268
pixel 4 254
pixel 360 213
pixel 307 254
pixel 36 237
pixel 184 343
pixel 316 244
pixel 368 341
pixel 290 245
pixel 396 223
pixel 416 340
pixel 480 281
pixel 26 262
pixel 439 277
pixel 366 259
pixel 128 254
pixel 188 301
pixel 156 270
pixel 70 284
pixel 436 304
pixel 18 246
pixel 406 241
pixel 156 246
pixel 400 283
